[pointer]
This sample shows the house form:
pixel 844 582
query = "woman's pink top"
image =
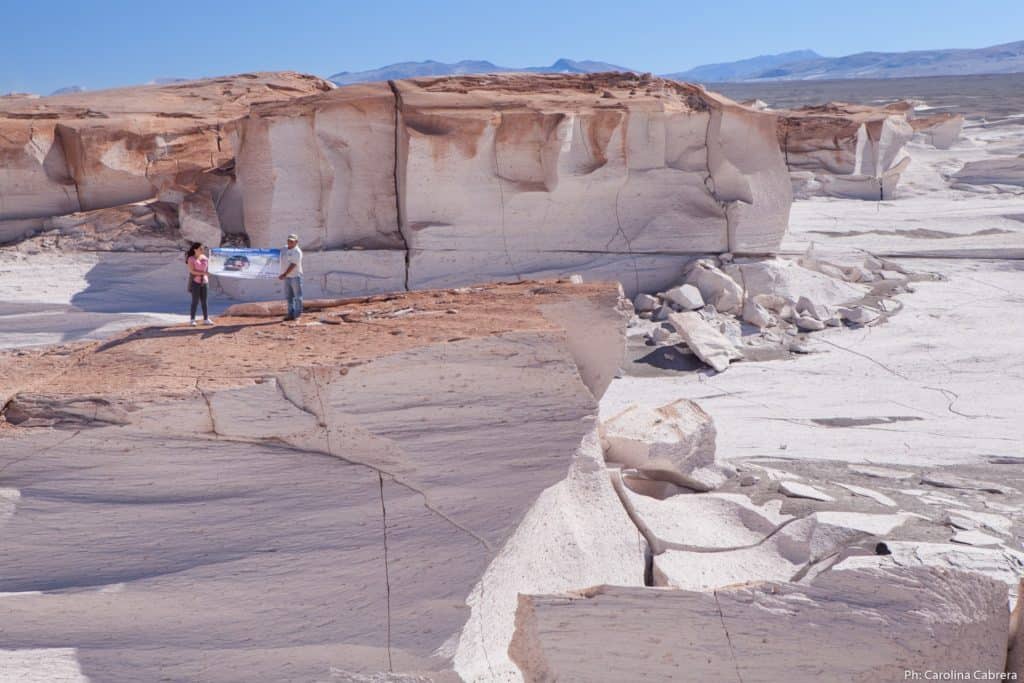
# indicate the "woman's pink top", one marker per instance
pixel 201 264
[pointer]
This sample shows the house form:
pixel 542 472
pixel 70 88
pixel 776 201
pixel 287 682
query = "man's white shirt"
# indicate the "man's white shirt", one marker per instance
pixel 293 256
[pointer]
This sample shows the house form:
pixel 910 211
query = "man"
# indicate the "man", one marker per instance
pixel 291 260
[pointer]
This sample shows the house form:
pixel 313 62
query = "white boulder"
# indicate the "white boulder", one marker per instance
pixel 710 345
pixel 715 287
pixel 675 442
pixel 686 297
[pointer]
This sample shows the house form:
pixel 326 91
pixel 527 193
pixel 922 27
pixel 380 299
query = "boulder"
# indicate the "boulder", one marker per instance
pixel 858 315
pixel 756 314
pixel 686 297
pixel 715 287
pixel 707 343
pixel 809 324
pixel 645 303
pixel 675 442
pixel 866 625
pixel 776 281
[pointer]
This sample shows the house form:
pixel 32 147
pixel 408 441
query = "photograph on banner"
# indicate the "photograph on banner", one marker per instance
pixel 251 264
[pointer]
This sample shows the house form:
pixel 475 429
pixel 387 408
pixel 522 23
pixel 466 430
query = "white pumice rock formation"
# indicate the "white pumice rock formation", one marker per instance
pixel 576 534
pixel 95 150
pixel 675 442
pixel 345 467
pixel 874 625
pixel 855 151
pixel 470 179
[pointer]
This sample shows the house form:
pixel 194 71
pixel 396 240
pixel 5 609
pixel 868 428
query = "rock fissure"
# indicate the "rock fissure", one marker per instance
pixel 387 576
pixel 501 209
pixel 399 218
pixel 728 638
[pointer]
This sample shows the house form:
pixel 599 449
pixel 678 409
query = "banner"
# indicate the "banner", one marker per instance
pixel 252 264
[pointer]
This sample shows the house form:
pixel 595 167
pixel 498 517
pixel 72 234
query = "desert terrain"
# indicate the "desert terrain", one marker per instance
pixel 603 378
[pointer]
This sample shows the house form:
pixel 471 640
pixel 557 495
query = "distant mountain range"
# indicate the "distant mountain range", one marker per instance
pixel 998 59
pixel 432 68
pixel 799 65
pixel 743 69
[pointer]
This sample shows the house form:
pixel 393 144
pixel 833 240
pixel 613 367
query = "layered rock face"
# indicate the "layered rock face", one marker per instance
pixel 87 151
pixel 856 151
pixel 468 179
pixel 495 177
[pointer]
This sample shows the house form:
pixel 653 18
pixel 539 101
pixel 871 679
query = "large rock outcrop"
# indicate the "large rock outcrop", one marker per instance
pixel 469 179
pixel 97 150
pixel 300 503
pixel 497 177
pixel 856 151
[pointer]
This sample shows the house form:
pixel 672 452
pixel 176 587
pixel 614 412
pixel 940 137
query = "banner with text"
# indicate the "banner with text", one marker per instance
pixel 253 264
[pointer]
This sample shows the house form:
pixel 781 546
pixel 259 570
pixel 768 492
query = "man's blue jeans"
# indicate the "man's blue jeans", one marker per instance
pixel 293 291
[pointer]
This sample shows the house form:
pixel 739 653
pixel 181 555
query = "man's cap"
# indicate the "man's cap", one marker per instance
pixel 294 237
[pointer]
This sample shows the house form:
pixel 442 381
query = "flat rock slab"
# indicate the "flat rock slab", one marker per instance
pixel 795 489
pixel 864 625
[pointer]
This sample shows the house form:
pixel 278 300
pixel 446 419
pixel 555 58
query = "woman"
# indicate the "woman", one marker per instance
pixel 198 280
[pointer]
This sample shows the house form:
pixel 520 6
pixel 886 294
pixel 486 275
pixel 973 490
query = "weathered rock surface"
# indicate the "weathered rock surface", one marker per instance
pixel 95 150
pixel 874 624
pixel 856 151
pixel 345 467
pixel 471 179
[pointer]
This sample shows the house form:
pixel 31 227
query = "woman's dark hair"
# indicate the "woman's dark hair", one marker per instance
pixel 192 250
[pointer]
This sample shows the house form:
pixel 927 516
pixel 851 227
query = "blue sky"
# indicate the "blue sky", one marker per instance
pixel 48 45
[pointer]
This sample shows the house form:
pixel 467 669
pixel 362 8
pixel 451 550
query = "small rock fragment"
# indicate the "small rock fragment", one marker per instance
pixel 660 334
pixel 809 324
pixel 576 279
pixel 879 498
pixel 858 315
pixel 795 489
